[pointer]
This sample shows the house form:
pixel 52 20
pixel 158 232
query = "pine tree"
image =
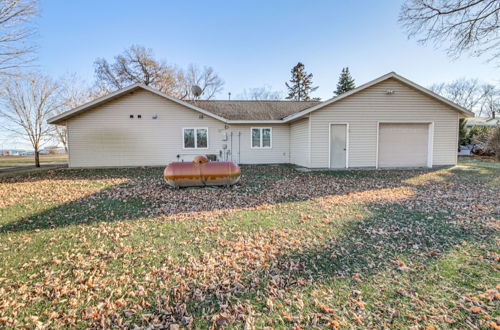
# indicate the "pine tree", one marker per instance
pixel 300 86
pixel 463 136
pixel 346 83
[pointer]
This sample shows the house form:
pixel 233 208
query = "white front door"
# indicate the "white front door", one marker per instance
pixel 338 146
pixel 235 146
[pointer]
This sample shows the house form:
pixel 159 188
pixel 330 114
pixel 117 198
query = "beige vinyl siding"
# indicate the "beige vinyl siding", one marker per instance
pixel 299 142
pixel 366 108
pixel 279 153
pixel 106 136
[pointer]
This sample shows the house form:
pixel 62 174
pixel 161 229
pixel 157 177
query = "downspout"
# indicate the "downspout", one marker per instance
pixel 231 145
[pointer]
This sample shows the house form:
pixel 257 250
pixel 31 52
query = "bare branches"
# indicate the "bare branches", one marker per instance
pixel 72 93
pixel 472 94
pixel 206 78
pixel 261 93
pixel 15 30
pixel 138 65
pixel 463 25
pixel 27 104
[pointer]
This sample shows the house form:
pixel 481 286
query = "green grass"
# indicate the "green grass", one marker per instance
pixel 116 247
pixel 25 160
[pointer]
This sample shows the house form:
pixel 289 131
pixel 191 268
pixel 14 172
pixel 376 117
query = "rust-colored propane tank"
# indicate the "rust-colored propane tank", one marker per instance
pixel 201 172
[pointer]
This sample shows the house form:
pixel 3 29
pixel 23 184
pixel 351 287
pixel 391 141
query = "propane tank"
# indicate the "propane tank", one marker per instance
pixel 201 172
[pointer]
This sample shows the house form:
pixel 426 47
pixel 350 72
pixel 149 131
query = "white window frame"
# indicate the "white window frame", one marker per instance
pixel 195 138
pixel 261 139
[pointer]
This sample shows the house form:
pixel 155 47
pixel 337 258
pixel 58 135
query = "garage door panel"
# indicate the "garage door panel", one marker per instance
pixel 403 145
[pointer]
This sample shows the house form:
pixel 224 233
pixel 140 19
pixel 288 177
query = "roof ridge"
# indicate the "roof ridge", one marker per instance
pixel 251 101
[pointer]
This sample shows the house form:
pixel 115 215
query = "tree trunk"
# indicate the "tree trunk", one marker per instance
pixel 37 158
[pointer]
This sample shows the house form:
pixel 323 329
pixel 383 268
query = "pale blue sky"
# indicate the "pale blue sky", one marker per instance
pixel 249 43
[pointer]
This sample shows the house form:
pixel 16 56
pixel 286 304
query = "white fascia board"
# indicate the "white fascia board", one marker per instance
pixel 118 93
pixel 394 75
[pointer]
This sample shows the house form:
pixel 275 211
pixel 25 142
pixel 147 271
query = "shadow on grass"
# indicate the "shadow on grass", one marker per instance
pixel 145 194
pixel 415 230
pixel 79 174
pixel 393 237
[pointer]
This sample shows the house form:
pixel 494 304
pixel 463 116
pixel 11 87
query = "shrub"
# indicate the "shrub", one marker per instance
pixel 462 133
pixel 494 143
pixel 480 137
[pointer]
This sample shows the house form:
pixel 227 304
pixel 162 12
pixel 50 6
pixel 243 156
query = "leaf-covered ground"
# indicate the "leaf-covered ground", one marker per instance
pixel 283 249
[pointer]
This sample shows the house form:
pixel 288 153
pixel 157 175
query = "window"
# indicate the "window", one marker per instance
pixel 195 138
pixel 261 137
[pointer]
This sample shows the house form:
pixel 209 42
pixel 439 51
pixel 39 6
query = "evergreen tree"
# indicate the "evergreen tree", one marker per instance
pixel 300 86
pixel 346 83
pixel 463 136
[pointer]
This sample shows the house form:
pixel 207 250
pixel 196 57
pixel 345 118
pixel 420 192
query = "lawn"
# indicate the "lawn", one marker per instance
pixel 26 160
pixel 283 249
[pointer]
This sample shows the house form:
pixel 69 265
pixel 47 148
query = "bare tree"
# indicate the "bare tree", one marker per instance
pixel 72 93
pixel 463 25
pixel 491 100
pixel 472 94
pixel 261 93
pixel 136 65
pixel 15 31
pixel 26 105
pixel 206 78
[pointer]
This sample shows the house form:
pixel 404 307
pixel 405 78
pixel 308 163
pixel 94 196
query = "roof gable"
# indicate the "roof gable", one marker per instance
pixel 119 93
pixel 390 75
pixel 255 111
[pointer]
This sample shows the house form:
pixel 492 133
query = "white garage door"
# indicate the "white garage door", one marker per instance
pixel 403 145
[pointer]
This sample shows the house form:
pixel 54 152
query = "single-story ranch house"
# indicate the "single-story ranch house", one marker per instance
pixel 387 122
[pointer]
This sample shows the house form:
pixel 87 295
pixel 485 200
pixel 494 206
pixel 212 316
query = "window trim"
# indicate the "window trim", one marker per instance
pixel 261 137
pixel 195 138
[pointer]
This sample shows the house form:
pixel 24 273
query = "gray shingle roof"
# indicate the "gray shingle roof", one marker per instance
pixel 253 110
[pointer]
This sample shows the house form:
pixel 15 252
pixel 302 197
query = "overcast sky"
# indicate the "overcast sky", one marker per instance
pixel 249 43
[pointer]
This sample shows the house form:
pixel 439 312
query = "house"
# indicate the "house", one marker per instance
pixel 483 121
pixel 387 122
pixel 11 152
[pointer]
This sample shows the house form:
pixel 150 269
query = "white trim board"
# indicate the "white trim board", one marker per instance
pixel 389 75
pixel 70 113
pixel 309 142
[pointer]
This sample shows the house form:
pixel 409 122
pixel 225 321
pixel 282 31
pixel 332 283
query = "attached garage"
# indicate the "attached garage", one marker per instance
pixel 404 145
pixel 389 122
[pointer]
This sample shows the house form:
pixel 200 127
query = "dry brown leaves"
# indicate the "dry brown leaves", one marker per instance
pixel 48 190
pixel 240 264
